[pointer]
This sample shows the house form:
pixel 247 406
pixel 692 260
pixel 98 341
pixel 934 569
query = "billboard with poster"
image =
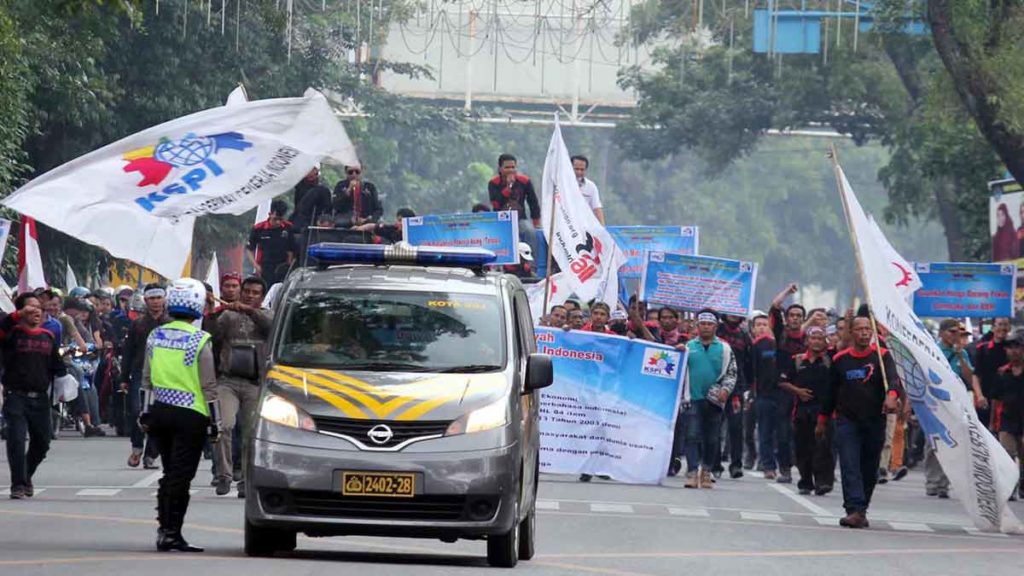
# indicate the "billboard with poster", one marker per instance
pixel 1006 230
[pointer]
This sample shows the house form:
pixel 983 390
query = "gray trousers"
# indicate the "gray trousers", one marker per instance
pixel 238 401
pixel 934 478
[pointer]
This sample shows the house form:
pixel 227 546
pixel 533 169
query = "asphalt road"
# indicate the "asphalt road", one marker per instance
pixel 94 516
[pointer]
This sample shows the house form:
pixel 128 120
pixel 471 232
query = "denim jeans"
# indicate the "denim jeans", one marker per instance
pixel 26 416
pixel 860 451
pixel 703 434
pixel 775 431
pixel 138 437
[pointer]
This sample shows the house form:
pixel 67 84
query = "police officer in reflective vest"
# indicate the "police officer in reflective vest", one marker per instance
pixel 179 405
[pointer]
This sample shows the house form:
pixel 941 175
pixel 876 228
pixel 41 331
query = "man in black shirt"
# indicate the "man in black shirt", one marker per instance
pixel 510 190
pixel 774 427
pixel 731 331
pixel 990 356
pixel 31 362
pixel 356 201
pixel 1009 391
pixel 806 376
pixel 308 186
pixel 131 370
pixel 864 386
pixel 270 245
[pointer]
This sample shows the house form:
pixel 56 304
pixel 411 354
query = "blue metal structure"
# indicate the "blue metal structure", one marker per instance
pixel 799 31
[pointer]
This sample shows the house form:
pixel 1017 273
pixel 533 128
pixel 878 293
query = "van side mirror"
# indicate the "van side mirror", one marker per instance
pixel 539 372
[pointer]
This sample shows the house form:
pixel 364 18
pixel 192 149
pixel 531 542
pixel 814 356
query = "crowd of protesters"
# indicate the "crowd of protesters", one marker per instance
pixel 780 389
pixel 808 389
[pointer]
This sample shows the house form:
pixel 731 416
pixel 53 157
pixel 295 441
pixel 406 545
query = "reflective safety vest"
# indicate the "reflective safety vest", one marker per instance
pixel 173 351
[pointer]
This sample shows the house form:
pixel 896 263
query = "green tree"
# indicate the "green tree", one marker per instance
pixel 981 47
pixel 883 90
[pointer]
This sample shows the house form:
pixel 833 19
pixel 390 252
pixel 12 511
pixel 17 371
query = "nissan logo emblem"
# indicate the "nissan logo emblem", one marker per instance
pixel 380 434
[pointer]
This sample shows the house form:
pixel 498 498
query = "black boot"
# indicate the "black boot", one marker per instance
pixel 170 537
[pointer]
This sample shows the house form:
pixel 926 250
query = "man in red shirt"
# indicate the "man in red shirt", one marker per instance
pixel 510 190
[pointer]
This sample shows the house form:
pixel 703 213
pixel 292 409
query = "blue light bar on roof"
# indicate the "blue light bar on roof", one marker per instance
pixel 340 253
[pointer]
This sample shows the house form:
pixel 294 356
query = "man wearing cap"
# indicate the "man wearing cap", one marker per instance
pixel 936 482
pixel 806 377
pixel 864 386
pixel 131 370
pixel 711 377
pixel 1009 390
pixel 525 267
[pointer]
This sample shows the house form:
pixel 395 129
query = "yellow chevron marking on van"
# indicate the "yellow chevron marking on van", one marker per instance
pixel 343 405
pixel 379 409
pixel 415 412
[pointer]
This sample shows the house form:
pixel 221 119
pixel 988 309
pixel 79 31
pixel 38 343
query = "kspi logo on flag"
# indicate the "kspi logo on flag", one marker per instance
pixel 195 153
pixel 660 363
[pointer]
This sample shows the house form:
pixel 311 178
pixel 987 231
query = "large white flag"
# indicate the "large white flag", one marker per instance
pixel 980 471
pixel 30 263
pixel 137 198
pixel 584 250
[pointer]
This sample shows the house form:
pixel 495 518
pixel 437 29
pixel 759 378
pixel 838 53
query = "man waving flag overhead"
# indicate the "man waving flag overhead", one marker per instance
pixel 980 471
pixel 584 250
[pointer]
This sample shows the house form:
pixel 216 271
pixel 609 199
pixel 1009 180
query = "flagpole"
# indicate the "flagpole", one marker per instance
pixel 551 235
pixel 860 264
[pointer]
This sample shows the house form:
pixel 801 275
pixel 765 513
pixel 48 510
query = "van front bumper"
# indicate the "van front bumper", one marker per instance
pixel 459 494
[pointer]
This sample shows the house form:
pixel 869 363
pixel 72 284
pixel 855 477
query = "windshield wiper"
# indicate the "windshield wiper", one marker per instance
pixel 397 366
pixel 471 369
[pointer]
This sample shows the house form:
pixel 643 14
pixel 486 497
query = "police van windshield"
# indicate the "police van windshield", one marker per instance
pixel 393 331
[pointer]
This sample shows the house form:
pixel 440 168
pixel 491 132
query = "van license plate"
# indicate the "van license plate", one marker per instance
pixel 386 484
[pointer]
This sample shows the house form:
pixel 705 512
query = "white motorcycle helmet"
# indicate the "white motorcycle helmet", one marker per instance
pixel 187 297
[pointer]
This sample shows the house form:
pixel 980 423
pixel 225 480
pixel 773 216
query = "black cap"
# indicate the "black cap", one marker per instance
pixel 1016 338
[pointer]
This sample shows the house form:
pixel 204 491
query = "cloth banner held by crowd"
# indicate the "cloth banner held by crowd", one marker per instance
pixel 635 240
pixel 965 289
pixel 979 470
pixel 494 231
pixel 144 191
pixel 688 282
pixel 612 408
pixel 578 242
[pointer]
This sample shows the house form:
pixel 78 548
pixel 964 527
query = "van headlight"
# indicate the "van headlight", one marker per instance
pixel 280 411
pixel 489 417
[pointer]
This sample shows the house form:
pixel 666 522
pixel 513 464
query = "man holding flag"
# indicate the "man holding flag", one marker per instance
pixel 979 470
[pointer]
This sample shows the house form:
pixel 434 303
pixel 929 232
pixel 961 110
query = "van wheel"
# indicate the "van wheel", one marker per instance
pixel 263 542
pixel 503 549
pixel 527 534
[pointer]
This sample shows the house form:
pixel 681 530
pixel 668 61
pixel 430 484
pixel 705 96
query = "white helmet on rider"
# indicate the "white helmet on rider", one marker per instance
pixel 186 296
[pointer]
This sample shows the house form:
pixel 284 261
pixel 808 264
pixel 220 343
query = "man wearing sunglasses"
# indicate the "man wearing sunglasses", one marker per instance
pixel 355 200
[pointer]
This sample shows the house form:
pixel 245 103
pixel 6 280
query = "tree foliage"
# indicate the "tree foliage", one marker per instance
pixel 719 99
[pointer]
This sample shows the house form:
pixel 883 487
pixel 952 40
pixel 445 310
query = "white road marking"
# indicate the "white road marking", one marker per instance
pixel 148 480
pixel 754 473
pixel 827 520
pixel 694 512
pixel 618 508
pixel 760 517
pixel 811 506
pixel 98 492
pixel 975 532
pixel 190 493
pixel 547 505
pixel 910 527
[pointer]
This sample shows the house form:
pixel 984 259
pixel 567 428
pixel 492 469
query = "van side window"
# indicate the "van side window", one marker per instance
pixel 525 320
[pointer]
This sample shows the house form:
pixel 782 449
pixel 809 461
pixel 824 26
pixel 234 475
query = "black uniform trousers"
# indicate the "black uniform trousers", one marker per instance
pixel 814 457
pixel 180 434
